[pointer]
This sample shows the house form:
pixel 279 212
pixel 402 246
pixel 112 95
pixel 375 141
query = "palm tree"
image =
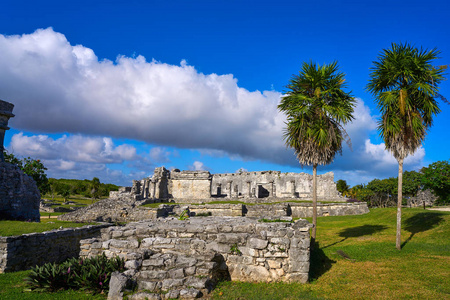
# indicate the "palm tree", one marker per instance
pixel 316 108
pixel 405 86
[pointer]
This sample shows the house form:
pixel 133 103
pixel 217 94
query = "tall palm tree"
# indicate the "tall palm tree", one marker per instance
pixel 316 107
pixel 405 86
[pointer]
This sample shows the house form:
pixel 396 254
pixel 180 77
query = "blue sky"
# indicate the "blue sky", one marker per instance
pixel 115 88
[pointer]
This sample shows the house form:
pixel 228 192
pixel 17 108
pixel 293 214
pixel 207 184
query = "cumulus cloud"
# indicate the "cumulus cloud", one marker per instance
pixel 57 87
pixel 198 166
pixel 75 148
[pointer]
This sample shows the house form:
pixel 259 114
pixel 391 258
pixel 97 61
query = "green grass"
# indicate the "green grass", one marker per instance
pixel 12 286
pixel 10 228
pixel 78 199
pixel 376 269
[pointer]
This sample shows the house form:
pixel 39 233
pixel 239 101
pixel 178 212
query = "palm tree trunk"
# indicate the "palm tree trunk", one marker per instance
pixel 313 232
pixel 398 239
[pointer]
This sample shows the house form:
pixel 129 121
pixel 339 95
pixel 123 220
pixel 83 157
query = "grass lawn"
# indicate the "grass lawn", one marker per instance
pixel 376 269
pixel 10 228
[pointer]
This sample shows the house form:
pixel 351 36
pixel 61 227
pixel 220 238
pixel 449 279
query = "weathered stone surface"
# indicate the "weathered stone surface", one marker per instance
pixel 19 195
pixel 117 284
pixel 25 251
pixel 248 251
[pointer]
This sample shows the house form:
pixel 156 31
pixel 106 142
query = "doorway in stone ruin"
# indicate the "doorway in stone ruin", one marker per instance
pixel 263 191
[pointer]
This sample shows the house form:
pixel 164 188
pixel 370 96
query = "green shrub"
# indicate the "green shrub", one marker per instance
pixel 91 274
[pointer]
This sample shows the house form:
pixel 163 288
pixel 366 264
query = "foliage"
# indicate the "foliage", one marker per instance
pixel 32 167
pixel 405 85
pixel 91 274
pixel 184 215
pixel 342 186
pixel 234 249
pixel 81 187
pixel 316 107
pixel 437 178
pixel 274 221
pixel 12 285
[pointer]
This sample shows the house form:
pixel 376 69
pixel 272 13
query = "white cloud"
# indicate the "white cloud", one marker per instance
pixel 60 88
pixel 75 148
pixel 197 166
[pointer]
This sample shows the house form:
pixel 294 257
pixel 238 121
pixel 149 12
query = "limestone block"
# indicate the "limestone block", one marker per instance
pixel 171 283
pixel 257 243
pixel 117 284
pixel 248 273
pixel 189 293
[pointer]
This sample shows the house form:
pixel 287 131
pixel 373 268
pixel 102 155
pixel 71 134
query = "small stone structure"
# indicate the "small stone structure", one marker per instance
pixel 250 187
pixel 19 195
pixel 28 250
pixel 6 109
pixel 423 198
pixel 170 255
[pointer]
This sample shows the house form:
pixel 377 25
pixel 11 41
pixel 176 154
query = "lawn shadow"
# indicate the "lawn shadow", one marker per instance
pixel 421 222
pixel 358 231
pixel 319 263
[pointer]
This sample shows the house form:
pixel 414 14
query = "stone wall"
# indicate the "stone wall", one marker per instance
pixel 190 185
pixel 196 186
pixel 273 184
pixel 28 250
pixel 305 210
pixel 19 195
pixel 126 210
pixel 251 251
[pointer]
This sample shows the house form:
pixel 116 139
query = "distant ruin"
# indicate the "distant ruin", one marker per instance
pixel 256 187
pixel 19 195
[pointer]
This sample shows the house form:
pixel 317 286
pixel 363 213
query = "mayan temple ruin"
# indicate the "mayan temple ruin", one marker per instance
pixel 258 187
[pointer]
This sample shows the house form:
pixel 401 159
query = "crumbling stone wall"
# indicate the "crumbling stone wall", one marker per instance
pixel 273 184
pixel 19 195
pixel 422 198
pixel 252 251
pixel 195 186
pixel 28 250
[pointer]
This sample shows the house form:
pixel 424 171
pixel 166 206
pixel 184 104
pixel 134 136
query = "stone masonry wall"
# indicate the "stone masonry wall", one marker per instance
pixel 252 251
pixel 19 195
pixel 28 250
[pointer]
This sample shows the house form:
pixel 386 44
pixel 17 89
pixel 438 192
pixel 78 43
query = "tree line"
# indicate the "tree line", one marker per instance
pixel 405 87
pixel 384 192
pixel 62 187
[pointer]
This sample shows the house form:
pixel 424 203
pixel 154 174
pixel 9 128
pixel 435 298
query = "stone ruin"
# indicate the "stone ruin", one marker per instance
pixel 19 195
pixel 249 187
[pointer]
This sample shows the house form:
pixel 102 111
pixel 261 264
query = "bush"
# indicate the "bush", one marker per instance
pixel 91 274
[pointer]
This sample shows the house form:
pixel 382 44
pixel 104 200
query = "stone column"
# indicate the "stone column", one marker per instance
pixel 230 188
pixel 271 194
pixel 293 188
pixel 249 184
pixel 5 113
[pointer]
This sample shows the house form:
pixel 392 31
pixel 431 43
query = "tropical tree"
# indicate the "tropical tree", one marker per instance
pixel 316 107
pixel 95 191
pixel 405 86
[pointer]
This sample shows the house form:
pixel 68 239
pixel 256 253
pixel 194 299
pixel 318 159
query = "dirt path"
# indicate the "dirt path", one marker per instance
pixel 440 208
